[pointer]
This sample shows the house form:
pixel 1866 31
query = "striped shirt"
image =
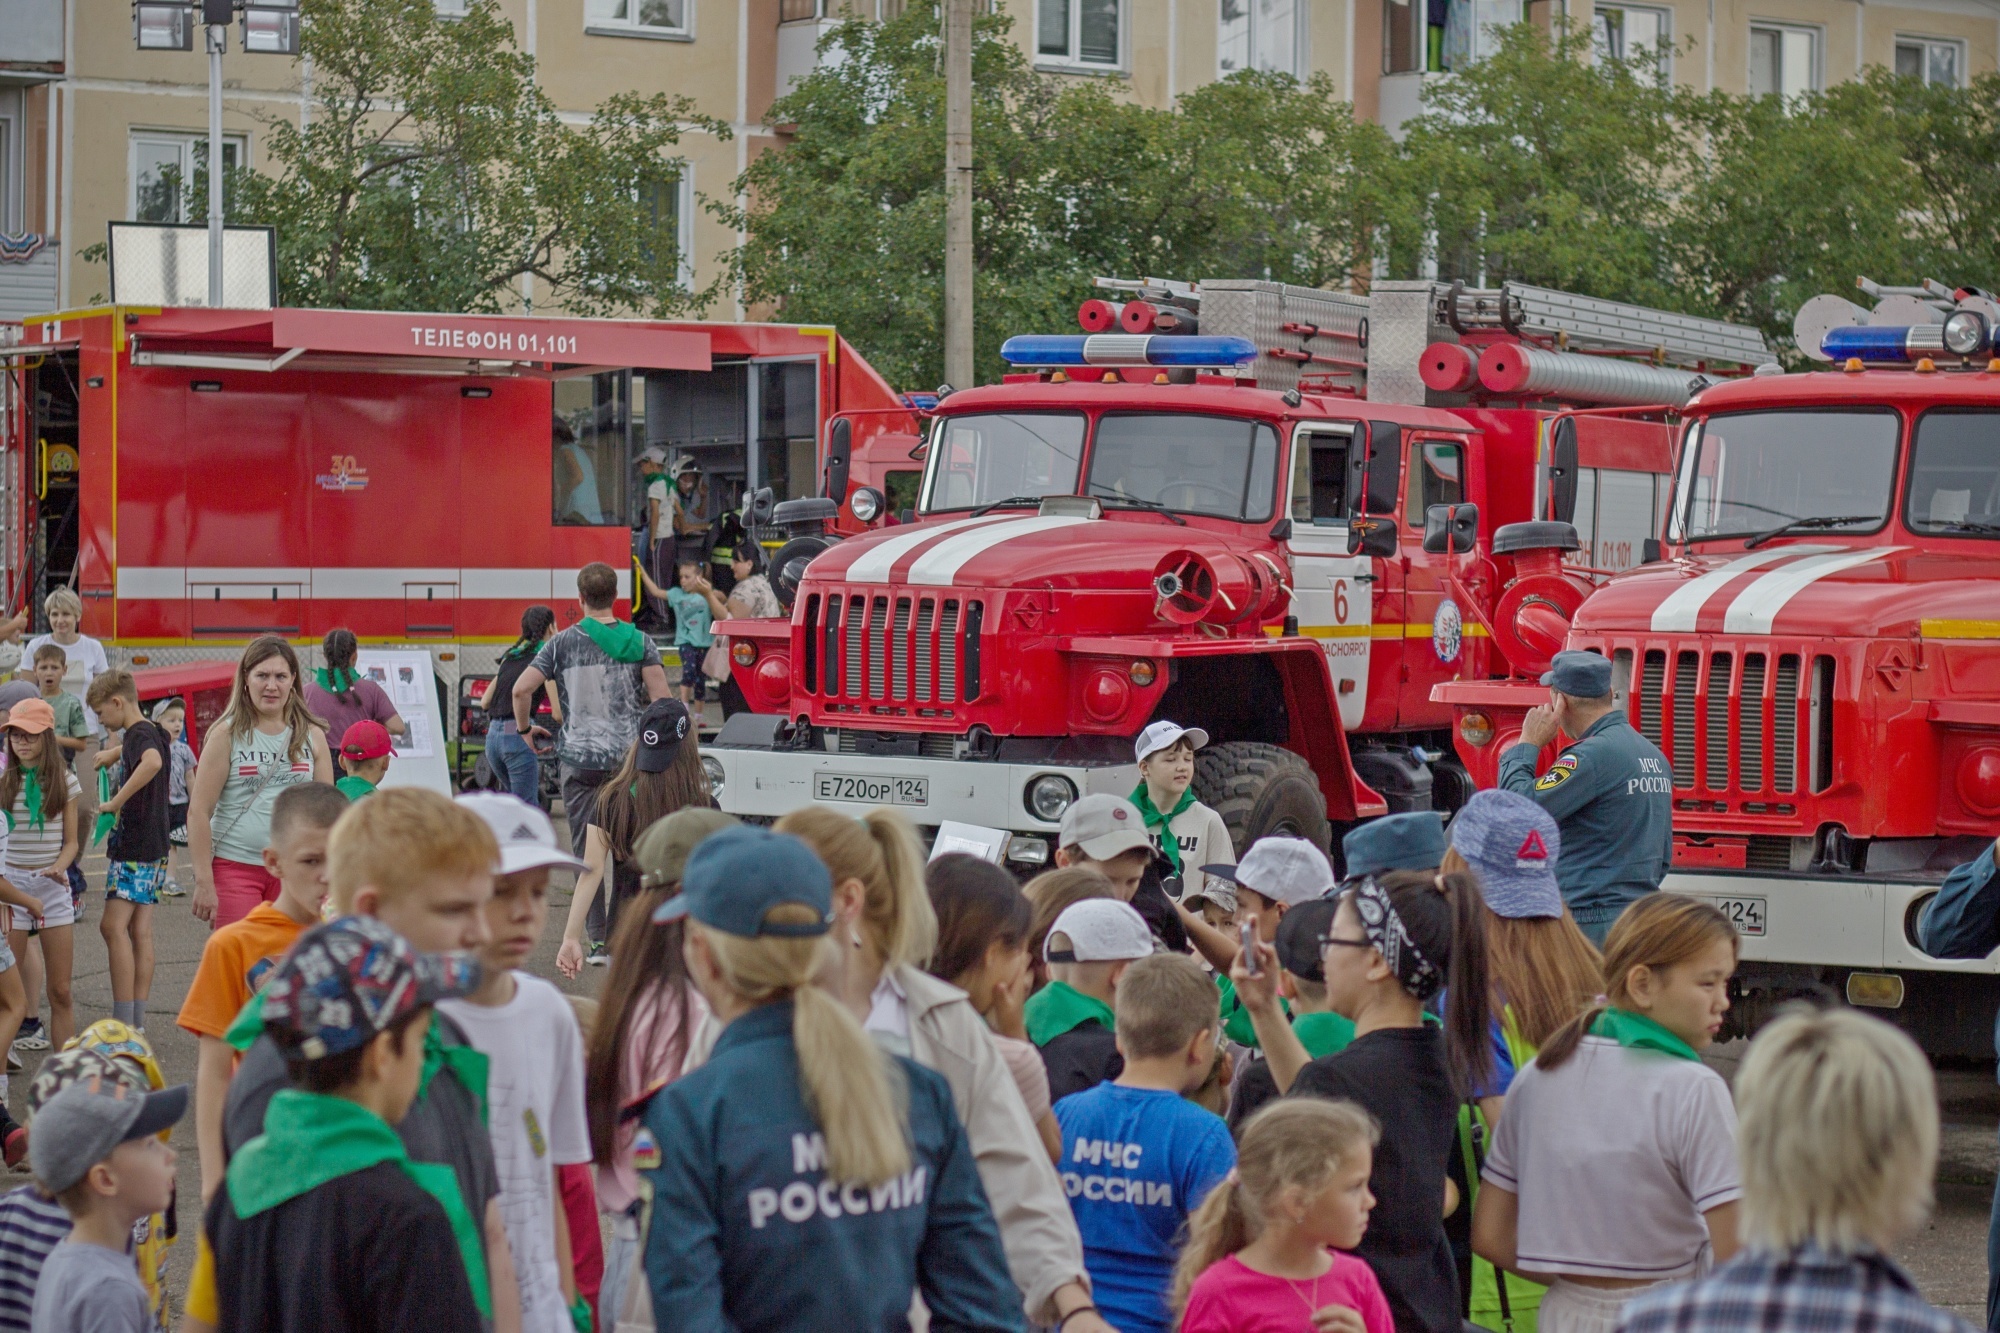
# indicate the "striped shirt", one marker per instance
pixel 31 1225
pixel 31 848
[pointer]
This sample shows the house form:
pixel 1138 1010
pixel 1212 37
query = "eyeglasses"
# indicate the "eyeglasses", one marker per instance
pixel 1326 941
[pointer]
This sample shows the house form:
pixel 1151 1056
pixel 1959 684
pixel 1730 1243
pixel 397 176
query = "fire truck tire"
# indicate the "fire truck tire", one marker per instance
pixel 1260 789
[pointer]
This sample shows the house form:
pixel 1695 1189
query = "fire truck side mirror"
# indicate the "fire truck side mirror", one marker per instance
pixel 1371 536
pixel 839 452
pixel 1451 528
pixel 1563 470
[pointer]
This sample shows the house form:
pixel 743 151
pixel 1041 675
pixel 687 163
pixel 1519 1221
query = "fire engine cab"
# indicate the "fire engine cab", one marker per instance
pixel 1281 514
pixel 1814 644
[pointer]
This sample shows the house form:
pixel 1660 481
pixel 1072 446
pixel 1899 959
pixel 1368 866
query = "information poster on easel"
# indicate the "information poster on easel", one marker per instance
pixel 406 676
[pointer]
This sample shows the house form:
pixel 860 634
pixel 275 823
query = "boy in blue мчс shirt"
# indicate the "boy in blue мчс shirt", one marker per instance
pixel 1138 1157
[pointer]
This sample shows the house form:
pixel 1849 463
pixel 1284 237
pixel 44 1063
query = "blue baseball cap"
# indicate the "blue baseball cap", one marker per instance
pixel 1412 841
pixel 1582 675
pixel 735 877
pixel 1512 845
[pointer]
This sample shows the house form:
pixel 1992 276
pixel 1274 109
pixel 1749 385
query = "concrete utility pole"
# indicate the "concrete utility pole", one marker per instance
pixel 958 193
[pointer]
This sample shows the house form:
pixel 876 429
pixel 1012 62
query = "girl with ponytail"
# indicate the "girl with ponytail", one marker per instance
pixel 1614 1168
pixel 340 695
pixel 1263 1250
pixel 885 932
pixel 805 1177
pixel 1395 942
pixel 508 753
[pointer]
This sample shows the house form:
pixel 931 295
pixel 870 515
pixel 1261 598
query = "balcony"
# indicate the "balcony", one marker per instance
pixel 31 36
pixel 28 286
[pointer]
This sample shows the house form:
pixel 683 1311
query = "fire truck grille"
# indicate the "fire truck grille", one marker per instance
pixel 882 650
pixel 1730 723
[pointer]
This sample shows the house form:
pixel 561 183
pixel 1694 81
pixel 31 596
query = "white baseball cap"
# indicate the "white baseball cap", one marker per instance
pixel 1162 735
pixel 1285 870
pixel 527 839
pixel 1102 826
pixel 1100 930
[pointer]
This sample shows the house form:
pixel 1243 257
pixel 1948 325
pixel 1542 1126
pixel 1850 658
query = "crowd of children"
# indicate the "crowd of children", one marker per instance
pixel 828 1085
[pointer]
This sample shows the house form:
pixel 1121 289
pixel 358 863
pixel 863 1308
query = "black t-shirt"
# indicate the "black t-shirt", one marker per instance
pixel 1255 1088
pixel 503 688
pixel 1081 1058
pixel 364 1252
pixel 1398 1075
pixel 141 831
pixel 1157 910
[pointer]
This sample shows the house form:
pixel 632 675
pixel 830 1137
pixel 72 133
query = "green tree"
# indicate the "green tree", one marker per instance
pixel 434 174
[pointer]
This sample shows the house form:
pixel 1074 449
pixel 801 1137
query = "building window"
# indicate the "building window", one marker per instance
pixel 668 202
pixel 1259 34
pixel 1079 32
pixel 162 173
pixel 638 18
pixel 1784 61
pixel 797 11
pixel 1930 60
pixel 1630 32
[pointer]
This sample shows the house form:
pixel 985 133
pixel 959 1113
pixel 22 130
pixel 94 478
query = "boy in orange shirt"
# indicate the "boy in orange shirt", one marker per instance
pixel 238 957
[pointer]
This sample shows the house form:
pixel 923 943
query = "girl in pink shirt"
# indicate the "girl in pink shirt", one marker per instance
pixel 1264 1249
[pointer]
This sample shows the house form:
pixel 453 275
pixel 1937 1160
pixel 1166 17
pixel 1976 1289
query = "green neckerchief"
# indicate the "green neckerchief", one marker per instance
pixel 31 792
pixel 469 1066
pixel 1236 1024
pixel 106 819
pixel 336 680
pixel 354 787
pixel 621 642
pixel 1323 1034
pixel 1058 1008
pixel 1636 1031
pixel 1155 820
pixel 310 1139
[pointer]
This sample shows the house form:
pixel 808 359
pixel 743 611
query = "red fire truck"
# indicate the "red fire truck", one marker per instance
pixel 1284 521
pixel 200 477
pixel 1814 644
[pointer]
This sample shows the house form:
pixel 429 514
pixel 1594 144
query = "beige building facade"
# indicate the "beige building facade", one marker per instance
pixel 90 127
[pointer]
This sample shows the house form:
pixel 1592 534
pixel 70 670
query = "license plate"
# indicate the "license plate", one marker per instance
pixel 871 791
pixel 1746 914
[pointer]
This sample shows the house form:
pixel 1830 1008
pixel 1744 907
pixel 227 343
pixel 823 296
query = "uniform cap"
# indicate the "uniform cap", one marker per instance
pixel 661 731
pixel 1285 870
pixel 735 877
pixel 1300 932
pixel 1164 735
pixel 348 981
pixel 1410 841
pixel 662 851
pixel 1102 826
pixel 82 1125
pixel 365 740
pixel 527 839
pixel 1512 844
pixel 1581 675
pixel 1100 930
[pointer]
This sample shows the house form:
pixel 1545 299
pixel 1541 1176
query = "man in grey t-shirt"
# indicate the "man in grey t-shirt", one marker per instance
pixel 605 672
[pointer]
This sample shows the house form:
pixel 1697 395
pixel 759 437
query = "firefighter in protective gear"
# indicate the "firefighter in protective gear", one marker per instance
pixel 1610 792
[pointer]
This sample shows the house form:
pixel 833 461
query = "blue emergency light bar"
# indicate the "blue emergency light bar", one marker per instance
pixel 1125 349
pixel 1965 333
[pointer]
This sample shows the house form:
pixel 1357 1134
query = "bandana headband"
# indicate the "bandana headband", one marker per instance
pixel 1385 930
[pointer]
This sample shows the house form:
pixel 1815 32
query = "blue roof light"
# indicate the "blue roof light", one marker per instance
pixel 1868 342
pixel 1124 349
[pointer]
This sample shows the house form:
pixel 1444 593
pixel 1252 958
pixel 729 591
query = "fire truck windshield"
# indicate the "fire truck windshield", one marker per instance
pixel 992 458
pixel 1222 466
pixel 1758 473
pixel 1955 474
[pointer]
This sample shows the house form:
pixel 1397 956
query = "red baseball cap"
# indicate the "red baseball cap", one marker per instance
pixel 366 740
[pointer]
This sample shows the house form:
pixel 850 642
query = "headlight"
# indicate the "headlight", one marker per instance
pixel 1049 795
pixel 1965 333
pixel 711 768
pixel 865 504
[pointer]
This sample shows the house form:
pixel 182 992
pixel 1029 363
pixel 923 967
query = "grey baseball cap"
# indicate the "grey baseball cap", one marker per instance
pixel 1103 826
pixel 81 1125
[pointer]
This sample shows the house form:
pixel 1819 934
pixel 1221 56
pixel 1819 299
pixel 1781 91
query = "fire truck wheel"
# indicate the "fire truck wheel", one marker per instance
pixel 1260 789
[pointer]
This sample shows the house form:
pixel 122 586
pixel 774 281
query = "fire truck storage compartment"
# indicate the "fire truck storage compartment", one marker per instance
pixel 748 424
pixel 50 549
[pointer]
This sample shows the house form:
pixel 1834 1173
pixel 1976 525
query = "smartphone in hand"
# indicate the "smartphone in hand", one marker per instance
pixel 1248 937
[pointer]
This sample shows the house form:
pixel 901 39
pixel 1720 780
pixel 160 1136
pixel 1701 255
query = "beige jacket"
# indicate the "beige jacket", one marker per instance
pixel 1037 1229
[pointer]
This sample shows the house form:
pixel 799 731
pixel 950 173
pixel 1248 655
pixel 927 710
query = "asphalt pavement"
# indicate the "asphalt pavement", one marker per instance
pixel 1947 1258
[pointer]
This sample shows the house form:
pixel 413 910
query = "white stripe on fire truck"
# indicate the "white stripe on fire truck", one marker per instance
pixel 1759 604
pixel 940 565
pixel 340 583
pixel 873 565
pixel 1682 607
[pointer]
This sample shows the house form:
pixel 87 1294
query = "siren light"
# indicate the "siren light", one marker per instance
pixel 1123 349
pixel 1884 342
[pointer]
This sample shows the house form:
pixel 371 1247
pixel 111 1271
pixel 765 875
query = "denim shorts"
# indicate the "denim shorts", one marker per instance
pixel 138 882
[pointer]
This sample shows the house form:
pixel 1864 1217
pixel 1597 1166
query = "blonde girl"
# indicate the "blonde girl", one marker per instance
pixel 805 1177
pixel 886 930
pixel 266 741
pixel 1614 1167
pixel 1264 1248
pixel 43 803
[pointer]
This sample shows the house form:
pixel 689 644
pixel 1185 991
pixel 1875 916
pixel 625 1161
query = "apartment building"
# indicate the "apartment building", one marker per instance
pixel 89 126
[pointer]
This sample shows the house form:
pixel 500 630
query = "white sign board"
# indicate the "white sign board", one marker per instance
pixel 406 675
pixel 988 844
